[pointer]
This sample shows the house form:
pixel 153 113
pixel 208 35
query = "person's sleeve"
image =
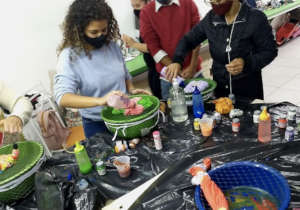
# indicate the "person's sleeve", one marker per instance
pixel 195 14
pixel 17 105
pixel 23 109
pixel 150 37
pixel 66 80
pixel 265 48
pixel 190 41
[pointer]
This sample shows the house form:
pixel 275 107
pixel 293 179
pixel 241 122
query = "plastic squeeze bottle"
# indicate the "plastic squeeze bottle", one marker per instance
pixel 198 107
pixel 264 127
pixel 82 159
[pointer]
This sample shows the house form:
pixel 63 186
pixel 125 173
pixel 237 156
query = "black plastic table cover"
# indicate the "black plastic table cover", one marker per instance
pixel 182 147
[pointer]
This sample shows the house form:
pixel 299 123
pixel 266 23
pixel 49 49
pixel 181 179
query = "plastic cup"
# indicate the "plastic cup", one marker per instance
pixel 206 126
pixel 122 163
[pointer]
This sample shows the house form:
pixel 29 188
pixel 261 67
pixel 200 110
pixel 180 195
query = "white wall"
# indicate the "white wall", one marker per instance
pixel 30 35
pixel 124 14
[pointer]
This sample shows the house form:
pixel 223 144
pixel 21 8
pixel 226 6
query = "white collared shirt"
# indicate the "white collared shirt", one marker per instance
pixel 159 5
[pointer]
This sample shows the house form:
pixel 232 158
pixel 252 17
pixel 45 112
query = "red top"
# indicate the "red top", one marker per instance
pixel 162 30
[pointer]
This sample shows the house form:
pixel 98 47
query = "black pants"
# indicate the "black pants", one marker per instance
pixel 153 76
pixel 250 87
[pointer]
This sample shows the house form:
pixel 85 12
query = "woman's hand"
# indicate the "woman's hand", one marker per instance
pixel 172 71
pixel 128 40
pixel 139 91
pixel 106 97
pixel 236 66
pixel 12 124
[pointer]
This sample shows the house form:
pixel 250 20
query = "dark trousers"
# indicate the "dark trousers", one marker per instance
pixel 153 76
pixel 91 127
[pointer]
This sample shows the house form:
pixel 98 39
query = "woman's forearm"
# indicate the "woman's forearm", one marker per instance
pixel 141 47
pixel 71 100
pixel 129 85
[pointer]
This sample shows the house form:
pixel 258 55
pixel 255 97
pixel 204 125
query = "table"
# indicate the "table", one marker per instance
pixel 182 147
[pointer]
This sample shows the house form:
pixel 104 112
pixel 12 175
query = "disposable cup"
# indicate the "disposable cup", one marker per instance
pixel 206 126
pixel 122 163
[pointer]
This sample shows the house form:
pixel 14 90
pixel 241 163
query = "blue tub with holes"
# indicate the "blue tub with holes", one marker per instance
pixel 248 185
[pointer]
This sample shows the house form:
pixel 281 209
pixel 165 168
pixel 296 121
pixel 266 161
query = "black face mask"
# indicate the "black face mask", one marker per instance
pixel 97 42
pixel 164 1
pixel 137 12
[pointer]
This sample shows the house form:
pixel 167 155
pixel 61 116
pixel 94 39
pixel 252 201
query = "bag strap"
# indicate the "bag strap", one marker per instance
pixel 42 122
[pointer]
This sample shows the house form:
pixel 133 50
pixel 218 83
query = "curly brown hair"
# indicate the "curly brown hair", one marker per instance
pixel 80 14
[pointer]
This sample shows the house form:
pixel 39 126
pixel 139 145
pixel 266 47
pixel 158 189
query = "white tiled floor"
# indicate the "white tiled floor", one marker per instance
pixel 281 78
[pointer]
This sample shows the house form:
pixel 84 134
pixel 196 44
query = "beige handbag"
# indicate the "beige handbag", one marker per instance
pixel 53 132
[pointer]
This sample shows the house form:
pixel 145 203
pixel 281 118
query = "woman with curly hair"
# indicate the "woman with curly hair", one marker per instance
pixel 90 63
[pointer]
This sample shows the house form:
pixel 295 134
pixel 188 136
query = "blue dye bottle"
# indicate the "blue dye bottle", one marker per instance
pixel 198 106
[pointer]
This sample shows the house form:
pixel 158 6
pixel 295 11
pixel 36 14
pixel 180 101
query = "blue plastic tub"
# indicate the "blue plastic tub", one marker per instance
pixel 242 179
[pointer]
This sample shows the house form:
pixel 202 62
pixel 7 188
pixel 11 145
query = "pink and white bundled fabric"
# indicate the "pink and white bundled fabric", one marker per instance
pixel 201 85
pixel 118 102
pixel 124 102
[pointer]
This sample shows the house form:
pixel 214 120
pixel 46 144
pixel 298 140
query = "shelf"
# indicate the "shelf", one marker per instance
pixel 271 13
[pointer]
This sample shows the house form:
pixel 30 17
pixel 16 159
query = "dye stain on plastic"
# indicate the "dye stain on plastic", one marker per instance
pixel 250 198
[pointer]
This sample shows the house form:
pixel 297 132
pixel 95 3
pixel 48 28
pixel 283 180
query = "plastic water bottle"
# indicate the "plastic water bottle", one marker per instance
pixel 82 159
pixel 178 105
pixel 198 107
pixel 264 127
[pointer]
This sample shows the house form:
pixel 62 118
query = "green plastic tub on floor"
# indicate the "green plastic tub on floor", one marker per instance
pixel 129 127
pixel 30 154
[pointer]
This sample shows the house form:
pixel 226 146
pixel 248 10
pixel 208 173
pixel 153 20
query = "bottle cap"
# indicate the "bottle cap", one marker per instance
pixel 15 146
pixel 264 115
pixel 175 83
pixel 70 177
pixel 100 163
pixel 78 147
pixel 196 91
pixel 156 133
pixel 236 120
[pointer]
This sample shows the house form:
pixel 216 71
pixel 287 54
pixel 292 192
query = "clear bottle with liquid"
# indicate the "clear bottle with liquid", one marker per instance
pixel 264 127
pixel 178 104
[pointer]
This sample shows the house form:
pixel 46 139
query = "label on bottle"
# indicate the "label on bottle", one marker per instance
pixel 100 167
pixel 196 124
pixel 83 161
pixel 157 140
pixel 282 123
pixel 289 134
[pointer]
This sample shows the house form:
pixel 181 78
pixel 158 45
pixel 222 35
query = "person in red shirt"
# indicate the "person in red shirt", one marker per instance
pixel 162 24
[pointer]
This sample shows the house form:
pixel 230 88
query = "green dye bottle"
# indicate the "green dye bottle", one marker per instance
pixel 82 159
